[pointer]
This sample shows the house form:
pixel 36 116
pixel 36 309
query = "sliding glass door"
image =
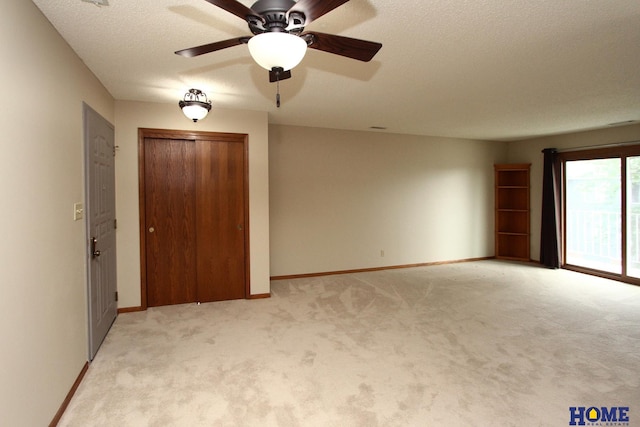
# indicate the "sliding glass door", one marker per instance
pixel 602 211
pixel 633 216
pixel 593 214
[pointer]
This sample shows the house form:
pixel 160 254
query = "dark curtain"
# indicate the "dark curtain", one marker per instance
pixel 550 249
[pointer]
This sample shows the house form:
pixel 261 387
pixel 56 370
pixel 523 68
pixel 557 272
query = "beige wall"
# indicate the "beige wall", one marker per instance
pixel 133 115
pixel 530 151
pixel 42 249
pixel 339 198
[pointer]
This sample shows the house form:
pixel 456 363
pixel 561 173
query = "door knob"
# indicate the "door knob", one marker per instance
pixel 94 252
pixel 151 229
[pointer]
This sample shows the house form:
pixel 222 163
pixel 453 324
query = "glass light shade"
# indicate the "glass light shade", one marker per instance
pixel 195 110
pixel 275 49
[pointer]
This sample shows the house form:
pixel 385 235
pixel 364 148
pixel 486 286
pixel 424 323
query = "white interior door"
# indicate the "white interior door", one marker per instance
pixel 101 236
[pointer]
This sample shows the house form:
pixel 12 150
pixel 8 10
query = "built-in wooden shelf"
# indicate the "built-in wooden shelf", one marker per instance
pixel 512 211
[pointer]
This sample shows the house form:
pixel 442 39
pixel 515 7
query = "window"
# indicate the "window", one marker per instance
pixel 601 209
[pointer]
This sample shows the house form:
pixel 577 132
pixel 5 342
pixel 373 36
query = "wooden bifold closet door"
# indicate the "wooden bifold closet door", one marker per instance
pixel 194 217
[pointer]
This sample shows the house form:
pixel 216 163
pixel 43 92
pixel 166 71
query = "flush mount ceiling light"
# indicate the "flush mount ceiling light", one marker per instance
pixel 195 105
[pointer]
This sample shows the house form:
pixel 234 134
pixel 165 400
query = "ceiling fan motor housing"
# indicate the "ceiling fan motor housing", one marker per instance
pixel 274 17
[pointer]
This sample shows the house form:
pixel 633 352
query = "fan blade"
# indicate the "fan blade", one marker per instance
pixel 361 50
pixel 235 7
pixel 212 47
pixel 314 9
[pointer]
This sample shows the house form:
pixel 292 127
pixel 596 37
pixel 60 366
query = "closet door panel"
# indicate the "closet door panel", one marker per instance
pixel 170 212
pixel 220 219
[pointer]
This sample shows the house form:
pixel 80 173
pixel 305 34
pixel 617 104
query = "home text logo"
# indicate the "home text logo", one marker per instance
pixel 602 416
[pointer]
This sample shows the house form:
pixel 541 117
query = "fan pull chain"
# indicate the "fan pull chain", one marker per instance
pixel 275 75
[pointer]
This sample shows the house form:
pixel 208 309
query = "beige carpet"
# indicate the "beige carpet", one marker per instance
pixel 475 344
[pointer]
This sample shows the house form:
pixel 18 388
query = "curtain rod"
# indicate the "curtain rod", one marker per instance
pixel 595 147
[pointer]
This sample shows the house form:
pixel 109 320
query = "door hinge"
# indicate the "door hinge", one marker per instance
pixel 115 224
pixel 116 296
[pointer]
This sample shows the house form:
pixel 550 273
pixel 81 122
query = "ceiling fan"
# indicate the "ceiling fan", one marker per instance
pixel 279 41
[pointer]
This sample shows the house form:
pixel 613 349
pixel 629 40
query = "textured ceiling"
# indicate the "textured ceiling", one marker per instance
pixel 481 69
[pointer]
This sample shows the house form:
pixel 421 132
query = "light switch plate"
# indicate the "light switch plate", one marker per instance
pixel 78 211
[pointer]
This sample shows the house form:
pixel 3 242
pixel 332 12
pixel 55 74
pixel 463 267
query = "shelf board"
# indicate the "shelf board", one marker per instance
pixel 512 167
pixel 514 258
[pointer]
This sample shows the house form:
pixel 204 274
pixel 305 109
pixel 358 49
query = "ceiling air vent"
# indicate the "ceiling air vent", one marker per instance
pixel 626 122
pixel 98 2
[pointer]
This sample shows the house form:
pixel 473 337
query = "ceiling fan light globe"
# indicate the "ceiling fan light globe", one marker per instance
pixel 272 50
